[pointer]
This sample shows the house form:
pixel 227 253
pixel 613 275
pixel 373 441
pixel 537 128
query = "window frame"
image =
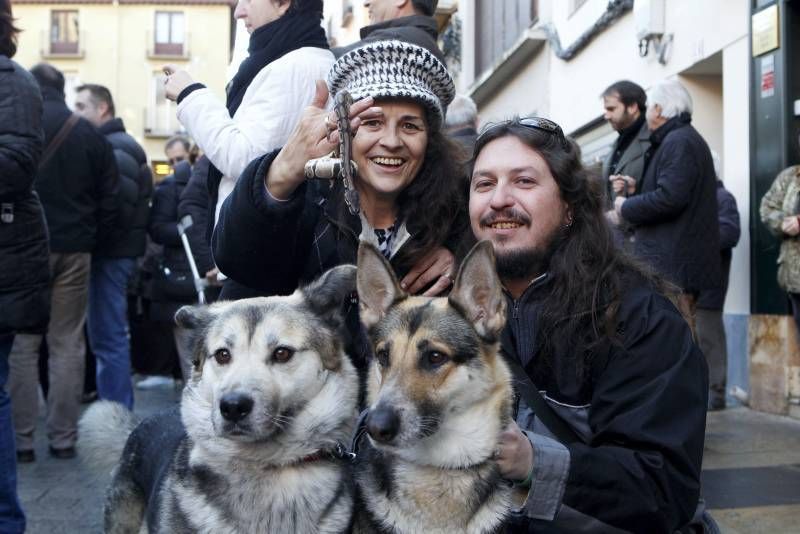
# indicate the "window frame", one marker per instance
pixel 169 47
pixel 64 47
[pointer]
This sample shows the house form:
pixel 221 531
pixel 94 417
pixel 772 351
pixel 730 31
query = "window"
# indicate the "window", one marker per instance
pixel 161 119
pixel 498 25
pixel 169 34
pixel 64 34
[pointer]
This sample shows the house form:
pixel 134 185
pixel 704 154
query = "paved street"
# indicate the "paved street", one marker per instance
pixel 751 476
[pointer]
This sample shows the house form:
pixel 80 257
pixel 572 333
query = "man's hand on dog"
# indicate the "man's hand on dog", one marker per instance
pixel 515 454
pixel 310 139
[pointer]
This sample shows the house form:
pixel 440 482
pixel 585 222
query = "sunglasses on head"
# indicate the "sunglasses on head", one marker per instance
pixel 534 123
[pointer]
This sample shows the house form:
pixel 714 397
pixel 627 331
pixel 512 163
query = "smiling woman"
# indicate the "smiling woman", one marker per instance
pixel 409 189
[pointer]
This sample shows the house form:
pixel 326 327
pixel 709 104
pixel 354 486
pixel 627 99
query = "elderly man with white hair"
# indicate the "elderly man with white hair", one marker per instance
pixel 674 212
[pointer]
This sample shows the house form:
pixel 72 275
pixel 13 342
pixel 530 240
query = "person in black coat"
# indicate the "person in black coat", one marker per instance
pixel 674 210
pixel 195 201
pixel 410 21
pixel 173 285
pixel 113 263
pixel 277 230
pixel 710 303
pixel 78 187
pixel 24 269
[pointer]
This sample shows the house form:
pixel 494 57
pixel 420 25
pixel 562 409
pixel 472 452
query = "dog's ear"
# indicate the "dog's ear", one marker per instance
pixel 326 294
pixel 477 291
pixel 378 287
pixel 195 319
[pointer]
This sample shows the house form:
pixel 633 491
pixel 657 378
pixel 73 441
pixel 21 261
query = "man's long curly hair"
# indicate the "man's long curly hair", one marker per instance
pixel 587 271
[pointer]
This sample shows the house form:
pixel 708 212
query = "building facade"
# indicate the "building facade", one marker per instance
pixel 123 44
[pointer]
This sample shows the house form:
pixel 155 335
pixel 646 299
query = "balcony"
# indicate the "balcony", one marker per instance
pixel 161 121
pixel 62 49
pixel 174 51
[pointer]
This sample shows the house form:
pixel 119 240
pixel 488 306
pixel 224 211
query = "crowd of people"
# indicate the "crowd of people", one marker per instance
pixel 615 281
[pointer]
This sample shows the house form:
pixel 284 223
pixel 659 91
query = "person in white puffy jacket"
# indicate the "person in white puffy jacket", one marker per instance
pixel 288 51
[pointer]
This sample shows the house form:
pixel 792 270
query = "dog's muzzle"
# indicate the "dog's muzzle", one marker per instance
pixel 383 424
pixel 235 406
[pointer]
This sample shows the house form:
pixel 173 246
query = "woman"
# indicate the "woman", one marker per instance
pixel 25 273
pixel 780 212
pixel 288 51
pixel 277 230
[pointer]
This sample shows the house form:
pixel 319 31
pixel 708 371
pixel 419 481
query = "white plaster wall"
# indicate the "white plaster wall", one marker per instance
pixel 526 94
pixel 707 100
pixel 736 164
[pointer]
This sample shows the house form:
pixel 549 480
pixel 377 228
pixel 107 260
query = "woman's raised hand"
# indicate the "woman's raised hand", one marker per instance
pixel 314 136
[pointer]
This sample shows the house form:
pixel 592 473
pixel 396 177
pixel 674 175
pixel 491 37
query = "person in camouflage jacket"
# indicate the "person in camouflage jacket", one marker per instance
pixel 780 212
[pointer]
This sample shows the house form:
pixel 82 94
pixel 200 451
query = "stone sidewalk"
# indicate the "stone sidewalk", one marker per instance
pixel 751 476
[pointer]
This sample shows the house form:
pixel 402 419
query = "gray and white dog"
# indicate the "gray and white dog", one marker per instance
pixel 271 397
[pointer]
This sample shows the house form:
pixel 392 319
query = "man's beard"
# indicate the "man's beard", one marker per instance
pixel 520 264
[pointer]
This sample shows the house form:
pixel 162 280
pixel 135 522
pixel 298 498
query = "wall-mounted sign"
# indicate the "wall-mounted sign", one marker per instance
pixel 765 30
pixel 768 76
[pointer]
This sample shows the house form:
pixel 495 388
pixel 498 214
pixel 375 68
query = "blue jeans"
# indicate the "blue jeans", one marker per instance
pixel 107 324
pixel 12 519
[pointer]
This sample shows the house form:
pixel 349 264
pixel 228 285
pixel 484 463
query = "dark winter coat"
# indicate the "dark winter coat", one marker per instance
pixel 639 409
pixel 163 230
pixel 79 186
pixel 24 253
pixel 196 202
pixel 675 208
pixel 420 30
pixel 129 237
pixel 729 233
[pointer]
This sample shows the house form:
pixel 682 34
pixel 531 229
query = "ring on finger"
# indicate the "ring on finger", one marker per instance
pixel 328 125
pixel 449 278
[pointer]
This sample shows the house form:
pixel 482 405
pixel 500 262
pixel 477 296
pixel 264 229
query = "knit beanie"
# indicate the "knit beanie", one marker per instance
pixel 395 69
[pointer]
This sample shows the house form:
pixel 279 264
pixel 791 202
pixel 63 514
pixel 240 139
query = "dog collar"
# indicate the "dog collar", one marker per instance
pixel 338 452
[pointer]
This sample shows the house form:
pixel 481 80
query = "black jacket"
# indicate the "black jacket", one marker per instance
pixel 195 201
pixel 729 233
pixel 129 236
pixel 24 255
pixel 420 30
pixel 79 186
pixel 675 208
pixel 163 225
pixel 640 408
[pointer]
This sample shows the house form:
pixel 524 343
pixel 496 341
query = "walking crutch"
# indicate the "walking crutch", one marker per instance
pixel 200 283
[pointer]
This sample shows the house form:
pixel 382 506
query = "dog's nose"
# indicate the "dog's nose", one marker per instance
pixel 235 406
pixel 383 424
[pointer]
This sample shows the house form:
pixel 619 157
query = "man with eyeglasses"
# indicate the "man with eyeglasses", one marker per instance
pixel 609 425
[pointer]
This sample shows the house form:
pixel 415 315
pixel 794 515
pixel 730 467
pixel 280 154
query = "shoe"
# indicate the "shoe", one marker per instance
pixel 63 454
pixel 156 382
pixel 26 457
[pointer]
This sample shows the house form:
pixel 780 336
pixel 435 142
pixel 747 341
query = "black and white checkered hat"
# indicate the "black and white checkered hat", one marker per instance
pixel 395 69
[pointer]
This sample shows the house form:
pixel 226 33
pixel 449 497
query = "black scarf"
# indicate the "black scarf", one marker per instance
pixel 270 42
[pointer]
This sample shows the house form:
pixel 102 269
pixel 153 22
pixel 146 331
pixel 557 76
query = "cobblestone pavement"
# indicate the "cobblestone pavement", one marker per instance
pixel 65 496
pixel 751 476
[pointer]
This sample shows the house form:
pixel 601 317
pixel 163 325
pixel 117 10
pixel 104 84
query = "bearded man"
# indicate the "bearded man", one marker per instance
pixel 614 442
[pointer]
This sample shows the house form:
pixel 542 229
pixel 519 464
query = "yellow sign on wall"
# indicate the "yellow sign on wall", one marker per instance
pixel 765 30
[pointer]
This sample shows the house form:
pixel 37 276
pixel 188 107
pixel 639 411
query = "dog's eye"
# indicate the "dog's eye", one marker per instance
pixel 434 358
pixel 223 356
pixel 282 354
pixel 382 355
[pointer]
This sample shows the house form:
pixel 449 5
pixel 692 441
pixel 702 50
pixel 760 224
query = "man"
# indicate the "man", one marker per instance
pixel 114 261
pixel 78 187
pixel 613 358
pixel 625 103
pixel 177 149
pixel 410 21
pixel 674 210
pixel 710 303
pixel 461 122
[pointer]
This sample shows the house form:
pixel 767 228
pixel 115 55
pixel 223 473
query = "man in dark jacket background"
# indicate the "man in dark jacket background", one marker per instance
pixel 113 262
pixel 710 303
pixel 78 188
pixel 24 269
pixel 410 21
pixel 674 210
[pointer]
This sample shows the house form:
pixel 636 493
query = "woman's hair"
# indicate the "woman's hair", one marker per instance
pixel 8 32
pixel 587 272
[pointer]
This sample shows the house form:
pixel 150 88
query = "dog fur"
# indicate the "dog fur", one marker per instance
pixel 439 395
pixel 271 393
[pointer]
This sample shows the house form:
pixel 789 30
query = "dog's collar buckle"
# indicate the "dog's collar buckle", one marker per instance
pixel 340 452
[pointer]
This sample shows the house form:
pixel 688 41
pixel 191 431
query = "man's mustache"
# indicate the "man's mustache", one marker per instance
pixel 507 215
